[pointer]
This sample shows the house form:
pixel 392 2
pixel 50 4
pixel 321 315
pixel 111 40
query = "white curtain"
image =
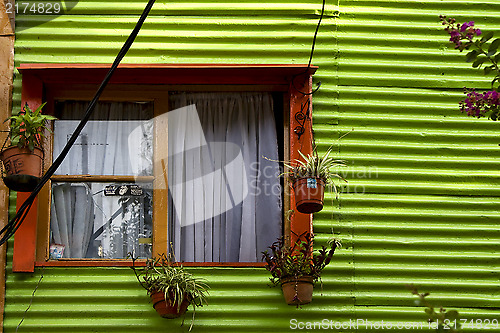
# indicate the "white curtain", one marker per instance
pixel 225 202
pixel 71 219
pixel 223 175
pixel 117 141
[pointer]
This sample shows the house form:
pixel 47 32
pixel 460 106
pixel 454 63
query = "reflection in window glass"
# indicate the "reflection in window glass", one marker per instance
pixel 116 141
pixel 101 220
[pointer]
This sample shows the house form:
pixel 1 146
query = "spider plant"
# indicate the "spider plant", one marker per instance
pixel 170 278
pixel 161 275
pixel 315 166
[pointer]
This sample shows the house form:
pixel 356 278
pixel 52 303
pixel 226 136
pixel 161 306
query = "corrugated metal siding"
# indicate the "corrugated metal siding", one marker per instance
pixel 422 201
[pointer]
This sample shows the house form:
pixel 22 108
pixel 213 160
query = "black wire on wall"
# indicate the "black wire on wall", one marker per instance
pixel 8 231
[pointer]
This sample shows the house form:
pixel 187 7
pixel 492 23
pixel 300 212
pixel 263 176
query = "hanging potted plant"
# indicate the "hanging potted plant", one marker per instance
pixel 22 160
pixel 296 268
pixel 309 176
pixel 170 287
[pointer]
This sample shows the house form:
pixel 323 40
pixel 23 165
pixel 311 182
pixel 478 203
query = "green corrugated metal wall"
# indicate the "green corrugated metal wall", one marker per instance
pixel 422 201
pixel 424 207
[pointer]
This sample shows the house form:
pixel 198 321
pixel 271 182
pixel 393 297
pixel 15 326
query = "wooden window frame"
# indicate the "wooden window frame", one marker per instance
pixel 141 82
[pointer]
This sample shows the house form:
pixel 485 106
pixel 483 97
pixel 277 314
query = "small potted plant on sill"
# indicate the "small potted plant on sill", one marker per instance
pixel 298 267
pixel 22 160
pixel 170 287
pixel 309 176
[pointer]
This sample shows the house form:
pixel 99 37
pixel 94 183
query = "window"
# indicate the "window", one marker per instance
pixel 223 176
pixel 189 161
pixel 95 212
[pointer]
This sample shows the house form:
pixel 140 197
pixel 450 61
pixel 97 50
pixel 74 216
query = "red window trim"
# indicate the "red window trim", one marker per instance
pixel 37 76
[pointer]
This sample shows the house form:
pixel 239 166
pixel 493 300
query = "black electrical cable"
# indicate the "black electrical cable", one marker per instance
pixel 8 231
pixel 318 85
pixel 316 33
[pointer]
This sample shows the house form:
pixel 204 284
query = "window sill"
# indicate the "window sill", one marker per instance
pixel 128 263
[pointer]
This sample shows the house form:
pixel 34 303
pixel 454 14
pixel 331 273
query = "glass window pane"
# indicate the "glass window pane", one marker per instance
pixel 223 176
pixel 116 141
pixel 101 220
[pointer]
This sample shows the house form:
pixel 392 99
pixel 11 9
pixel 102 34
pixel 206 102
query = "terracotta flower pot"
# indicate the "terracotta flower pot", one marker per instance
pixel 165 308
pixel 23 168
pixel 297 291
pixel 309 193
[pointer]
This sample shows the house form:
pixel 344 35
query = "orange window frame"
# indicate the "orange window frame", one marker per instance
pixel 39 79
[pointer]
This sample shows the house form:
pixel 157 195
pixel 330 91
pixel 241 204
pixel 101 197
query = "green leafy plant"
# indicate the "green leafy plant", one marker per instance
pixel 298 260
pixel 315 166
pixel 28 127
pixel 446 320
pixel 483 52
pixel 170 278
pixel 161 275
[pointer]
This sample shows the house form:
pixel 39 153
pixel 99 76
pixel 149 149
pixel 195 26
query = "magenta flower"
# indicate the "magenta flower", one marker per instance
pixel 460 33
pixel 478 105
pixel 483 55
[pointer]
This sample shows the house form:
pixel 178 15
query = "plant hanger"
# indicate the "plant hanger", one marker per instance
pixel 22 160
